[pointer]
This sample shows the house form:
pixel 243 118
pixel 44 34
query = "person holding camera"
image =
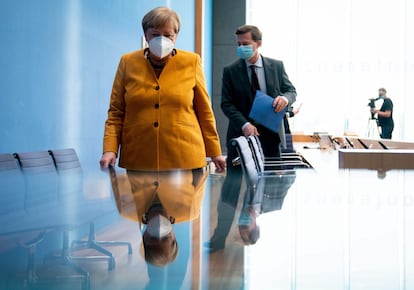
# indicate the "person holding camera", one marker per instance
pixel 384 115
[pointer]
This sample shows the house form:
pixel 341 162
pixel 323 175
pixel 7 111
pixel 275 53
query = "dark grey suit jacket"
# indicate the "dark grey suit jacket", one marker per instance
pixel 237 97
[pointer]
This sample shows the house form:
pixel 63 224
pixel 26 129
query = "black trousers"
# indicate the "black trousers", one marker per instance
pixel 386 132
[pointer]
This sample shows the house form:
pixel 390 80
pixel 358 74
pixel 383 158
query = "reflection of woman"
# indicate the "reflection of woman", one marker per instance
pixel 158 200
pixel 180 192
pixel 160 113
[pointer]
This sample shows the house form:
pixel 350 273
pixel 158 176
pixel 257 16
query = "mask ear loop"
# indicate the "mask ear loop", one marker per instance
pixel 144 217
pixel 172 220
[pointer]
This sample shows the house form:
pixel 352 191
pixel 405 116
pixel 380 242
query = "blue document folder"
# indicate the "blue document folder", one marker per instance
pixel 263 112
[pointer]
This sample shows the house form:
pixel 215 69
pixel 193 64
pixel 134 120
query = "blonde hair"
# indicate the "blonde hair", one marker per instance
pixel 162 253
pixel 159 16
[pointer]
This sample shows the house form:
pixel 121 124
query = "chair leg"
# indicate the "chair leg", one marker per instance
pixel 31 246
pixel 92 243
pixel 92 236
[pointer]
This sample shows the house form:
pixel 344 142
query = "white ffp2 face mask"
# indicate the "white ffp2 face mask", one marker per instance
pixel 159 226
pixel 161 46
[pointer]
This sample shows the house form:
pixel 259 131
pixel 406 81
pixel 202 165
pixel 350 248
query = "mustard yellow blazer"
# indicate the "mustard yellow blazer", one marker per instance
pixel 161 123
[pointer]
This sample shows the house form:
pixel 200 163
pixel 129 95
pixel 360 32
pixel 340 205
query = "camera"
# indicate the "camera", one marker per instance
pixel 371 104
pixel 372 101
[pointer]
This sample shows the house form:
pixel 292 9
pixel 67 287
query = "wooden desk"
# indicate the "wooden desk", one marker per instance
pixel 353 152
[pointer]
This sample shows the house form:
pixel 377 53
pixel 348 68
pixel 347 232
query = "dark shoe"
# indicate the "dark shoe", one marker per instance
pixel 214 245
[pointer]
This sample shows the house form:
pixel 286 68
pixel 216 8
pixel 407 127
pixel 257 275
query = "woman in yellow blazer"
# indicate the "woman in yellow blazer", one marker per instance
pixel 160 115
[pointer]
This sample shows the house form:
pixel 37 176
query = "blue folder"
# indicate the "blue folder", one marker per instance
pixel 263 112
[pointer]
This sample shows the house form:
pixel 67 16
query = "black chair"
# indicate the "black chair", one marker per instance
pixel 287 160
pixel 40 180
pixel 46 213
pixel 86 210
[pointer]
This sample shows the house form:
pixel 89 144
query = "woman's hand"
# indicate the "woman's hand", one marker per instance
pixel 220 163
pixel 108 158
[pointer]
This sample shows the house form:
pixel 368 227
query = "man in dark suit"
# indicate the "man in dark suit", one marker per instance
pixel 241 79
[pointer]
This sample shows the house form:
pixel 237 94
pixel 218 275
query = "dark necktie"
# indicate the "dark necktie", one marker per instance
pixel 255 80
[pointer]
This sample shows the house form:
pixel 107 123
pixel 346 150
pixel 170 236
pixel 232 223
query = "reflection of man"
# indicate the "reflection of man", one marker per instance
pixel 385 120
pixel 241 79
pixel 268 196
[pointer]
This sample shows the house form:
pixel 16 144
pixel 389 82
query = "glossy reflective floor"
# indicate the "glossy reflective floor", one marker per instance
pixel 332 229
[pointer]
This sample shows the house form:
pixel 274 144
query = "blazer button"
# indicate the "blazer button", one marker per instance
pixel 156 106
pixel 155 124
pixel 157 88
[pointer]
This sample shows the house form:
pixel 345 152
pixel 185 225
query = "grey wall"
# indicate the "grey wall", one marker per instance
pixel 227 16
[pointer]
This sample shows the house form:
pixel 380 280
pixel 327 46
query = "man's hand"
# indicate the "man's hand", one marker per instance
pixel 250 130
pixel 280 103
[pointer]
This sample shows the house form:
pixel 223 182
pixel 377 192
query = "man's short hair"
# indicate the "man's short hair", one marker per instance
pixel 256 33
pixel 382 90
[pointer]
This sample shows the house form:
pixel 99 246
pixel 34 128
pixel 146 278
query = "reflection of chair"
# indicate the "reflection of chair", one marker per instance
pixel 44 211
pixel 265 189
pixel 260 173
pixel 12 212
pixel 71 189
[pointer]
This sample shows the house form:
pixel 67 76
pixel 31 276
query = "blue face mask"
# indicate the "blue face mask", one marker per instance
pixel 245 51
